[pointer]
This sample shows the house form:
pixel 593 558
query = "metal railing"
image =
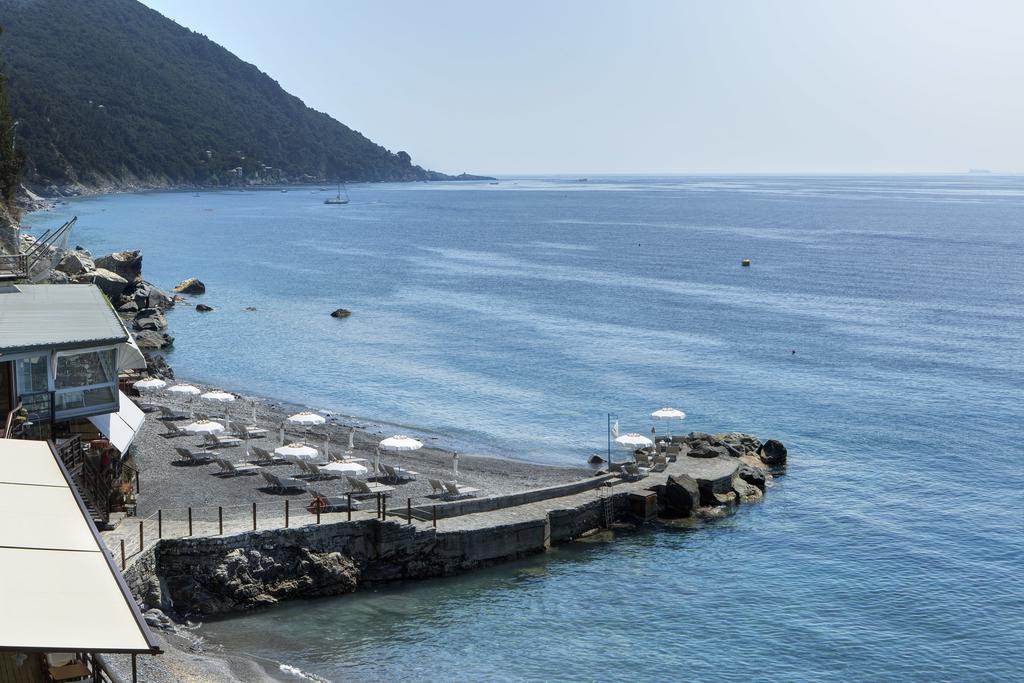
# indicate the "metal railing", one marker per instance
pixel 13 266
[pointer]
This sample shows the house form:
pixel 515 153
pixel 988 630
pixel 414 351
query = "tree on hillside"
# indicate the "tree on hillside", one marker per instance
pixel 12 160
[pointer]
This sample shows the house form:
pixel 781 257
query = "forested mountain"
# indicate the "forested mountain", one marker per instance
pixel 112 93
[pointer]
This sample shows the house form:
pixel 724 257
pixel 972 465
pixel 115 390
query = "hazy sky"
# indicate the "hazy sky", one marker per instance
pixel 640 87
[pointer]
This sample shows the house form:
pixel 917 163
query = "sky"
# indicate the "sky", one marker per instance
pixel 682 86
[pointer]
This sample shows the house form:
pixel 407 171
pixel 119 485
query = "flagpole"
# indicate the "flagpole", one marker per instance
pixel 609 441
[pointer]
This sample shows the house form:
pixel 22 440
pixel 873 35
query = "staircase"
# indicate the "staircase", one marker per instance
pixel 94 487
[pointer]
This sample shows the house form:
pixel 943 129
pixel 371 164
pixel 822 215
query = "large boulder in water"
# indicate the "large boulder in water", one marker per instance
pixel 774 453
pixel 150 319
pixel 190 286
pixel 153 340
pixel 144 295
pixel 341 313
pixel 680 497
pixel 127 264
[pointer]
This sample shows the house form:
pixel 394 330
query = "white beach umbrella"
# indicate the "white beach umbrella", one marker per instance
pixel 400 443
pixel 668 414
pixel 152 384
pixel 218 396
pixel 633 441
pixel 297 451
pixel 306 418
pixel 185 390
pixel 353 468
pixel 204 427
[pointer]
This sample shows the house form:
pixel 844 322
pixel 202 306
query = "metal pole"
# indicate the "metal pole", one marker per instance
pixel 135 669
pixel 609 434
pixel 159 523
pixel 434 516
pixel 140 536
pixel 408 509
pixel 317 514
pixel 350 507
pixel 138 486
pixel 220 519
pixel 190 521
pixel 383 507
pixel 254 515
pixel 286 514
pixel 122 554
pixel 378 506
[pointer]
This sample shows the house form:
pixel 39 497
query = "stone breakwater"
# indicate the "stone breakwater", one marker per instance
pixel 211 576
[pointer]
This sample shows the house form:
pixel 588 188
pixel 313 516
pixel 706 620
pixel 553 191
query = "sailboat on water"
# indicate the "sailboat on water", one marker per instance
pixel 338 199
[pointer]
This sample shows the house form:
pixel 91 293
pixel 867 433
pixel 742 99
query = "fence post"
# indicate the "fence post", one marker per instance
pixel 254 515
pixel 122 554
pixel 159 523
pixel 141 544
pixel 220 519
pixel 286 514
pixel 433 514
pixel 383 506
pixel 408 509
pixel 350 507
pixel 190 521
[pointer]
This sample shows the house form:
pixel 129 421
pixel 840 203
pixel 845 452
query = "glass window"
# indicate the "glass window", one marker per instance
pixel 86 369
pixel 30 375
pixel 71 399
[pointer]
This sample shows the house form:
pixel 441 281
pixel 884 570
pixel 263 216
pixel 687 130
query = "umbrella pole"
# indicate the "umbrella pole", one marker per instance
pixel 609 434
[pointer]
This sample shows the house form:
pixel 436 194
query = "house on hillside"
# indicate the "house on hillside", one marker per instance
pixel 61 349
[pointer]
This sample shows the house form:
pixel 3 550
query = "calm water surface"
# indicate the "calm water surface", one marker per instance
pixel 512 318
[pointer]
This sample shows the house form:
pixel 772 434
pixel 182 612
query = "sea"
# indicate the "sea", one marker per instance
pixel 878 332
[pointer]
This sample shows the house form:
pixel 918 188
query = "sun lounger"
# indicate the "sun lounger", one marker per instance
pixel 283 483
pixel 173 430
pixel 437 486
pixel 194 457
pixel 317 472
pixel 171 414
pixel 64 666
pixel 230 469
pixel 251 432
pixel 397 474
pixel 328 503
pixel 367 488
pixel 201 417
pixel 217 440
pixel 632 472
pixel 660 463
pixel 265 457
pixel 453 490
pixel 642 459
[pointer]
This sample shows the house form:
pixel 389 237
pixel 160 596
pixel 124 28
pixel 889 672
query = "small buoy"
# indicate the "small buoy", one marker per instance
pixel 745 263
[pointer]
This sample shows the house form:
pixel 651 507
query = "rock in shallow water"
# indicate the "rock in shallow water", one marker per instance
pixel 341 313
pixel 203 308
pixel 190 286
pixel 127 264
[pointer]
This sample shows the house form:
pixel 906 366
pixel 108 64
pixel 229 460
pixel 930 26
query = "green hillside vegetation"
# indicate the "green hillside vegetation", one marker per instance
pixel 110 92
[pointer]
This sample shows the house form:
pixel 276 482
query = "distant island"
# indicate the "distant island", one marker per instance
pixel 111 95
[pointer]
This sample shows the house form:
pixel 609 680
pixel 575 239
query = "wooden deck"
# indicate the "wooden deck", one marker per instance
pixel 30 671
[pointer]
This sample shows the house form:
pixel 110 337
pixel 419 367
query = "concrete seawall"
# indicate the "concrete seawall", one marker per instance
pixel 206 576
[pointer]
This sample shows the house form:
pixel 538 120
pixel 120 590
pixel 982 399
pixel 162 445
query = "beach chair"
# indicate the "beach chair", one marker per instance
pixel 660 463
pixel 642 459
pixel 230 469
pixel 453 491
pixel 201 417
pixel 173 430
pixel 323 502
pixel 317 473
pixel 221 441
pixel 368 488
pixel 193 457
pixel 397 474
pixel 251 432
pixel 283 483
pixel 632 472
pixel 171 414
pixel 437 486
pixel 265 457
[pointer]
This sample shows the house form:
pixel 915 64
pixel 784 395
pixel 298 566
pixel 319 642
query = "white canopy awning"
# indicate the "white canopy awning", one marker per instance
pixel 129 356
pixel 120 427
pixel 60 591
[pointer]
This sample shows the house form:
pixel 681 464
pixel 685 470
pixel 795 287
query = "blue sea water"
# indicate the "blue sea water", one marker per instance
pixel 512 318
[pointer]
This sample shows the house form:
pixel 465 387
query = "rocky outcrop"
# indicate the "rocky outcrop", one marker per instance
pixel 153 340
pixel 341 313
pixel 141 294
pixel 156 366
pixel 109 282
pixel 190 286
pixel 76 263
pixel 150 319
pixel 203 308
pixel 248 577
pixel 127 264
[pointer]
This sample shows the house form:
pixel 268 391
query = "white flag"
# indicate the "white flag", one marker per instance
pixel 615 429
